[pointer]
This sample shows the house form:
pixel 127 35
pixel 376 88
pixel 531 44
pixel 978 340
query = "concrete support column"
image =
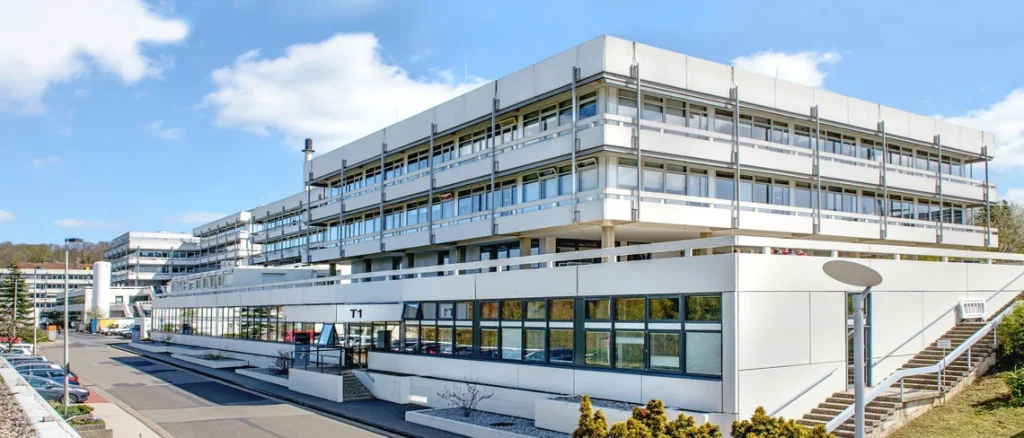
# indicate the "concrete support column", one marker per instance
pixel 944 259
pixel 688 253
pixel 333 269
pixel 895 256
pixel 833 254
pixel 455 255
pixel 608 241
pixel 548 246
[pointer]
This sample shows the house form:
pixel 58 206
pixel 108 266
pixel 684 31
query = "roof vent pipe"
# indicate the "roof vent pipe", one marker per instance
pixel 307 166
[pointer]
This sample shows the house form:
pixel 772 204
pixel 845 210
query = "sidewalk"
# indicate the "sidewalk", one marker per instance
pixel 122 423
pixel 380 414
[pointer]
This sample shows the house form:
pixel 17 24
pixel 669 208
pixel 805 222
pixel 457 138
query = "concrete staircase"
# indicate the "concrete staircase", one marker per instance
pixel 917 390
pixel 352 388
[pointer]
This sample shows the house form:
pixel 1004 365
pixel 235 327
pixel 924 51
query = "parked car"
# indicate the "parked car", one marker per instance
pixel 51 390
pixel 22 358
pixel 119 331
pixel 52 374
pixel 18 351
pixel 24 366
pixel 17 348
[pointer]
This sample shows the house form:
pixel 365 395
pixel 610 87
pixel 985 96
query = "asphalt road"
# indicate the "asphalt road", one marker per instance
pixel 177 403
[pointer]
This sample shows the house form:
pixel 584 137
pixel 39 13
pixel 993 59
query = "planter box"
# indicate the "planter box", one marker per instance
pixel 562 416
pixel 275 379
pixel 187 350
pixel 458 427
pixel 151 347
pixel 223 363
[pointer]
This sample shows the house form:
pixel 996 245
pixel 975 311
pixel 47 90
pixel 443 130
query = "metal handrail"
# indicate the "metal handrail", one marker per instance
pixel 801 393
pixel 938 367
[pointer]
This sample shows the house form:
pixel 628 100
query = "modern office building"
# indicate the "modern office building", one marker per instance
pixel 225 242
pixel 46 280
pixel 281 232
pixel 151 258
pixel 625 222
pixel 104 300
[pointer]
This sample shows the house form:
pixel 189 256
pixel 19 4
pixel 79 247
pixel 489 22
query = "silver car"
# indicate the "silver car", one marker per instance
pixel 53 391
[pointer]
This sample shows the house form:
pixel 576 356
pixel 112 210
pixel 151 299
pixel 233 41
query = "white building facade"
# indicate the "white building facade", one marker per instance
pixel 151 258
pixel 46 280
pixel 633 229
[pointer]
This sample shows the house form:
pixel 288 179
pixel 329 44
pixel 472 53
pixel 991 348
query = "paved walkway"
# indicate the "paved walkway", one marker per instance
pixel 123 424
pixel 377 413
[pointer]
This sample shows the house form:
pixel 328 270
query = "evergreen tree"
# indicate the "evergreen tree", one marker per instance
pixel 591 425
pixel 11 280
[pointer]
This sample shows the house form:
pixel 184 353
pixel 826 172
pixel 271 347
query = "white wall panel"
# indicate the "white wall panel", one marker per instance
pixel 527 283
pixel 756 88
pixel 896 122
pixel 590 57
pixel 863 114
pixel 768 317
pixel 446 115
pixel 660 276
pixel 793 97
pixel 708 77
pixel 618 55
pixel 971 139
pixel 989 140
pixel 412 129
pixel 949 132
pixel 691 394
pixel 922 128
pixel 516 87
pixel 832 106
pixel 828 328
pixel 452 287
pixel 624 387
pixel 479 101
pixel 554 72
pixel 661 66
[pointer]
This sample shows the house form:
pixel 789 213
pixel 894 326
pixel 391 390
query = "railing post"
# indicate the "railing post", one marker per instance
pixel 901 390
pixel 969 357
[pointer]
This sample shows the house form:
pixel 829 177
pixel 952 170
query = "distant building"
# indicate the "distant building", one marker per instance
pixel 45 281
pixel 151 258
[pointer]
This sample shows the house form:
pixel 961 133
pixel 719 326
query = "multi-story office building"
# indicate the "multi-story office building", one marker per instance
pixel 46 280
pixel 151 258
pixel 611 221
pixel 225 242
pixel 281 232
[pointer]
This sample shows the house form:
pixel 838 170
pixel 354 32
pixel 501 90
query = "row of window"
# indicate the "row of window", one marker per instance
pixel 508 130
pixel 769 129
pixel 683 180
pixel 278 222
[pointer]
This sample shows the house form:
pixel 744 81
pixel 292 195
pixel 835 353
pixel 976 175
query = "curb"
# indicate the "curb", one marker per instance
pixel 313 407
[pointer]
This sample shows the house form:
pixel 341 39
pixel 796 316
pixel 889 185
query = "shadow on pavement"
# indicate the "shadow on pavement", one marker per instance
pixel 202 387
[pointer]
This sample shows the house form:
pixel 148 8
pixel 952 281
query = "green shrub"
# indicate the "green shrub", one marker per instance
pixel 1015 381
pixel 762 426
pixel 591 424
pixel 646 422
pixel 1011 334
pixel 73 410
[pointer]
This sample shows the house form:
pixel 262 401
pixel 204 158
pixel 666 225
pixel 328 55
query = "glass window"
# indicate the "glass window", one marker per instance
pixel 489 343
pixel 654 180
pixel 598 352
pixel 598 309
pixel 626 174
pixel 665 351
pixel 535 351
pixel 697 184
pixel 512 343
pixel 561 346
pixel 464 310
pixel 704 353
pixel 489 310
pixel 412 337
pixel 629 309
pixel 704 308
pixel 724 187
pixel 446 310
pixel 429 311
pixel 629 349
pixel 463 341
pixel 511 310
pixel 536 310
pixel 562 310
pixel 444 340
pixel 428 340
pixel 664 309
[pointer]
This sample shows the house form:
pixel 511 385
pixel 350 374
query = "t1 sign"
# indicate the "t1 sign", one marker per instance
pixel 356 313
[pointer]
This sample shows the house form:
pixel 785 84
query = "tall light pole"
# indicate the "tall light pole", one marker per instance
pixel 856 274
pixel 35 311
pixel 14 311
pixel 67 351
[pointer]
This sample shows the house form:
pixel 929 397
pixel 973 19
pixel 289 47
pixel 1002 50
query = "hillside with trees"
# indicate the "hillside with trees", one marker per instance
pixel 84 253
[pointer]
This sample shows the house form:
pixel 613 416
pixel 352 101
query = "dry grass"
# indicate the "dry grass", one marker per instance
pixel 982 410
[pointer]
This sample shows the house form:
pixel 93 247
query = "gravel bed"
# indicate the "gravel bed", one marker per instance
pixel 12 420
pixel 601 403
pixel 518 425
pixel 267 371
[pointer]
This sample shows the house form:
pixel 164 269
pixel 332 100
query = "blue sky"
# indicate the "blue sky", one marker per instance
pixel 161 115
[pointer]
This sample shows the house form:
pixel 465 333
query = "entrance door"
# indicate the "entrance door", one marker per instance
pixel 359 341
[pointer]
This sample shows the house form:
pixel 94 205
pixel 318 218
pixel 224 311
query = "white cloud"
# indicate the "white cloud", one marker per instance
pixel 52 41
pixel 421 55
pixel 1005 120
pixel 800 67
pixel 48 160
pixel 156 128
pixel 6 216
pixel 194 217
pixel 333 91
pixel 79 223
pixel 1015 195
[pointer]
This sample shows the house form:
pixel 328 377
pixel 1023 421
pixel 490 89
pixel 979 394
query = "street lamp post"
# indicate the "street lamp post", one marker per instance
pixel 35 311
pixel 856 274
pixel 14 311
pixel 67 351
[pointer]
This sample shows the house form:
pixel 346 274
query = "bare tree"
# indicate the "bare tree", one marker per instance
pixel 468 399
pixel 282 362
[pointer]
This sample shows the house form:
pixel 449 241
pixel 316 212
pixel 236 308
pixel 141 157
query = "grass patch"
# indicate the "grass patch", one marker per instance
pixel 982 410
